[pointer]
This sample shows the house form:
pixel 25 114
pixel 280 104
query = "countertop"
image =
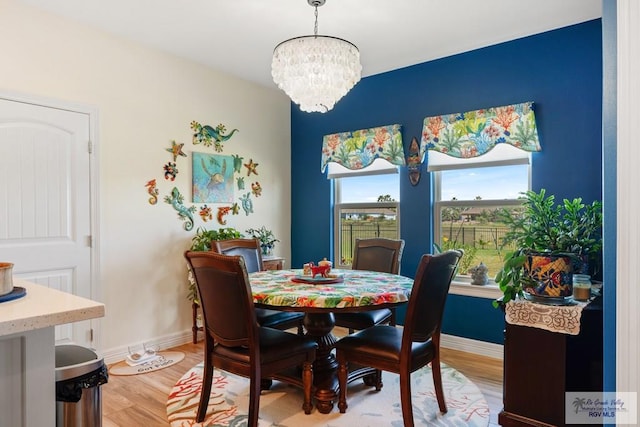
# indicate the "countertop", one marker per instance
pixel 42 307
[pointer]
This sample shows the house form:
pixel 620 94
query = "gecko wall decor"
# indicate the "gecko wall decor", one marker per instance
pixel 214 178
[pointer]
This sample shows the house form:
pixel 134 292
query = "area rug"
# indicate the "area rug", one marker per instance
pixel 165 359
pixel 281 406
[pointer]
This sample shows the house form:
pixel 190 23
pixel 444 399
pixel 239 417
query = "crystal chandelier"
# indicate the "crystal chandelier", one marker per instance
pixel 316 71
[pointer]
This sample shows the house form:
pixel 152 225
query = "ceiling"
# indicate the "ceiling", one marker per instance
pixel 238 36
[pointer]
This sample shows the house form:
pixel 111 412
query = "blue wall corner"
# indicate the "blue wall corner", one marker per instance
pixel 560 71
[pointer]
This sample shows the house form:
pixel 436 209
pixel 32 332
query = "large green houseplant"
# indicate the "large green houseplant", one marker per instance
pixel 541 226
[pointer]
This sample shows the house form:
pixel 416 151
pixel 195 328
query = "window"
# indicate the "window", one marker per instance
pixel 365 207
pixel 465 208
pixel 481 162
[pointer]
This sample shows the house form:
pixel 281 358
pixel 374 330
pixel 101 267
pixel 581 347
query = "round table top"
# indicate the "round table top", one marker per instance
pixel 359 289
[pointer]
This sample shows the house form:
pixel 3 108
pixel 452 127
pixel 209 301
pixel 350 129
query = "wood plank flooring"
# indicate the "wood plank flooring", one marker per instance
pixel 140 400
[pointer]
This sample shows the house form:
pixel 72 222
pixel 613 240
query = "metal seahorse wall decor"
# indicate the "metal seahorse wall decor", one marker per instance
pixel 153 191
pixel 222 211
pixel 208 135
pixel 186 214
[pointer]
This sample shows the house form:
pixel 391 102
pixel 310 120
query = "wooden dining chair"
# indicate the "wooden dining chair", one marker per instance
pixel 233 339
pixel 250 250
pixel 378 254
pixel 405 350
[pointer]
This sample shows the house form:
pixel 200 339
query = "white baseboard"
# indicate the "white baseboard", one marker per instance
pixel 468 345
pixel 453 342
pixel 162 343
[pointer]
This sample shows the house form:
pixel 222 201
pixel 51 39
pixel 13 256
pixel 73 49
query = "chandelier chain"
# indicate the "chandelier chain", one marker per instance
pixel 315 27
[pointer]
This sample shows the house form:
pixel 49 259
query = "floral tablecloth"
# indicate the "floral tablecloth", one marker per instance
pixel 359 288
pixel 564 319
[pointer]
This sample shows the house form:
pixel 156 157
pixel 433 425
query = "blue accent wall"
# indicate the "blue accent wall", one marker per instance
pixel 560 71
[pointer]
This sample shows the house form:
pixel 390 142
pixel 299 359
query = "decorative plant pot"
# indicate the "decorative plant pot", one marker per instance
pixel 6 278
pixel 551 279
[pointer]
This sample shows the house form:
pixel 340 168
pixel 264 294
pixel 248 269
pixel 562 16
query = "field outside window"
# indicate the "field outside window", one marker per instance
pixel 466 206
pixel 365 207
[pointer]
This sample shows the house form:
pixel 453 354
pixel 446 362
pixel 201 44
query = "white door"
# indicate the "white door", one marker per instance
pixel 45 204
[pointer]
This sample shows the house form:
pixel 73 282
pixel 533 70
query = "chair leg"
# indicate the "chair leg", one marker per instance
pixel 307 382
pixel 266 383
pixel 254 400
pixel 300 328
pixel 342 385
pixel 194 327
pixel 378 383
pixel 207 377
pixel 437 384
pixel 405 398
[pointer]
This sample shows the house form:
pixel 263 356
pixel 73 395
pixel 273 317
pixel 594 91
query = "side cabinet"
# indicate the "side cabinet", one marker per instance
pixel 539 366
pixel 273 263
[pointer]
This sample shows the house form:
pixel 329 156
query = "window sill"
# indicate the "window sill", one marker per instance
pixel 462 286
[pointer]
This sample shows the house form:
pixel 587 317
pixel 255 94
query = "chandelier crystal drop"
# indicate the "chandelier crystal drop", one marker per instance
pixel 316 71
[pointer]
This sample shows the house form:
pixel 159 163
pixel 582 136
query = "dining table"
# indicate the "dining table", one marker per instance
pixel 319 298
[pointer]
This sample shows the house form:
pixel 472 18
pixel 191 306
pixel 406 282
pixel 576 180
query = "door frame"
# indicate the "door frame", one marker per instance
pixel 95 288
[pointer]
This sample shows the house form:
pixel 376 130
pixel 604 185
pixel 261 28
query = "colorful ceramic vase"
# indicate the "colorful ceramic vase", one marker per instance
pixel 552 278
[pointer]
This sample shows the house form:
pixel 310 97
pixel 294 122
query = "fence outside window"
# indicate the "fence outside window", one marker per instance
pixel 486 240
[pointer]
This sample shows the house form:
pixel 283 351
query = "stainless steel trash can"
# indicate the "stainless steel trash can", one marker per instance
pixel 79 375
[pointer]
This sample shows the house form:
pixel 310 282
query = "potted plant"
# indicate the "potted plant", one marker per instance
pixel 552 231
pixel 266 237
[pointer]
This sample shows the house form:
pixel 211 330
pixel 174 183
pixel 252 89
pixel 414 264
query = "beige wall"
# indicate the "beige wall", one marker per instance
pixel 144 99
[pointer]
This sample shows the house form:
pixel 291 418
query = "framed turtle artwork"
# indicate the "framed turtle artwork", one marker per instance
pixel 212 178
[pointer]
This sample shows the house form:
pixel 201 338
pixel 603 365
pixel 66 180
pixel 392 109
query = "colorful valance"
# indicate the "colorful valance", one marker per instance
pixel 474 133
pixel 358 149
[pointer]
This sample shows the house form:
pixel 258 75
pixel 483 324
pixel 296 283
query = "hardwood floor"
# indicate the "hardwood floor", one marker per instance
pixel 140 400
pixel 485 372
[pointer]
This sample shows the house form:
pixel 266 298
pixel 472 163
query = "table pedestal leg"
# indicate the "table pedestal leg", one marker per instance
pixel 319 327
